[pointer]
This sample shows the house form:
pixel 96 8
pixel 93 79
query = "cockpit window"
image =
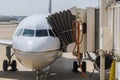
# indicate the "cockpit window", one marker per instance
pixel 51 33
pixel 41 33
pixel 28 32
pixel 19 32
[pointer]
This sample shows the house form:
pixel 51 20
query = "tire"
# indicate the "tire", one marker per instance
pixel 75 66
pixel 14 65
pixel 5 65
pixel 84 66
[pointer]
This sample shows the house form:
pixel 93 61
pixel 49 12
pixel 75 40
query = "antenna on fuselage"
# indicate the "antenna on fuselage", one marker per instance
pixel 50 6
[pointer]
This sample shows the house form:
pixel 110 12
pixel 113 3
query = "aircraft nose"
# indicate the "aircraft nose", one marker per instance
pixel 28 46
pixel 33 45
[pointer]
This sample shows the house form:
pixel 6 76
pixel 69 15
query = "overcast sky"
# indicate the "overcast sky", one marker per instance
pixel 29 7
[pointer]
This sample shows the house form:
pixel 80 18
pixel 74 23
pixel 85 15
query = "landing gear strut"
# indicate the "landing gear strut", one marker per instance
pixel 76 50
pixel 84 66
pixel 41 74
pixel 7 62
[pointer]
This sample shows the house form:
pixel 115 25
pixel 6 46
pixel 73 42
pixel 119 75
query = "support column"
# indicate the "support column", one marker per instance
pixel 103 23
pixel 102 66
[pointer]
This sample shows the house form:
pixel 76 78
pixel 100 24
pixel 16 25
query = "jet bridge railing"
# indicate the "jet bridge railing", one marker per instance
pixel 114 23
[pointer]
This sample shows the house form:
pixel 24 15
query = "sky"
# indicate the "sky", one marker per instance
pixel 30 7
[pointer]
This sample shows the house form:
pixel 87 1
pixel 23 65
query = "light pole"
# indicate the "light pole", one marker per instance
pixel 50 6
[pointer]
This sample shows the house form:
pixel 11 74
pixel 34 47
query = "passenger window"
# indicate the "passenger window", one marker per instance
pixel 19 32
pixel 41 33
pixel 28 32
pixel 51 33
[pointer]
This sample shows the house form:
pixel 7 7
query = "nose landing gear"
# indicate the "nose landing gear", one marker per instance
pixel 41 74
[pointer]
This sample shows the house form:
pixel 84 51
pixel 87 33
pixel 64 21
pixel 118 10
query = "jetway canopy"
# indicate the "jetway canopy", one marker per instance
pixel 62 24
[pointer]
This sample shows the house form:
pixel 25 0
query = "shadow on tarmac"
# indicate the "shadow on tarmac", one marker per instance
pixel 18 75
pixel 59 70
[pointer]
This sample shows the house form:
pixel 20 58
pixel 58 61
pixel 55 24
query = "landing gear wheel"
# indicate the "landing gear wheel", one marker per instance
pixel 84 66
pixel 75 67
pixel 5 65
pixel 14 65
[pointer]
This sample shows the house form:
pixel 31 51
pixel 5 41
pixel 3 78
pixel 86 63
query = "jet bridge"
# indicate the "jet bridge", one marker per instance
pixel 62 24
pixel 78 29
pixel 70 29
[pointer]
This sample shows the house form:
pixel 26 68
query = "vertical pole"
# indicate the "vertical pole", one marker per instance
pixel 103 23
pixel 102 66
pixel 50 6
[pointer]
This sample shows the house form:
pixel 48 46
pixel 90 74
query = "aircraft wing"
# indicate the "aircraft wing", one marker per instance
pixel 5 42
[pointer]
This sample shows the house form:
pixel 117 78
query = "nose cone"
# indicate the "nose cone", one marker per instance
pixel 24 44
pixel 28 45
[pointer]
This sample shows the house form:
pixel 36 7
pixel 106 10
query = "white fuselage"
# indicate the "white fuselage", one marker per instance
pixel 35 44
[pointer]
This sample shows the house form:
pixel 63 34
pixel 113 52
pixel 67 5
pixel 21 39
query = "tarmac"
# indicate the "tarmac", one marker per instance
pixel 61 69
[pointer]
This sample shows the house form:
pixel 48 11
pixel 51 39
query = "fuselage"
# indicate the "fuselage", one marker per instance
pixel 34 42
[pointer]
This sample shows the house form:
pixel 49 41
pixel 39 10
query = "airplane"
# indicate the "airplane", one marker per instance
pixel 34 44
